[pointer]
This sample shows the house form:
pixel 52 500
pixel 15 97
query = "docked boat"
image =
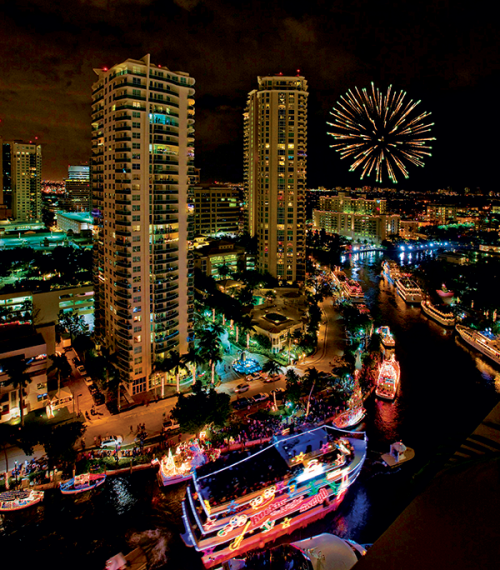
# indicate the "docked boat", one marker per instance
pixel 240 504
pixel 386 337
pixel 485 342
pixel 11 501
pixel 409 290
pixel 398 454
pixel 328 551
pixel 391 270
pixel 179 468
pixel 82 483
pixel 388 379
pixel 439 314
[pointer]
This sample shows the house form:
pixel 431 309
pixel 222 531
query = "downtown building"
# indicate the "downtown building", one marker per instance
pixel 142 163
pixel 78 195
pixel 275 156
pixel 21 179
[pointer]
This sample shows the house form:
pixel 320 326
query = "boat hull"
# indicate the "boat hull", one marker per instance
pixel 34 498
pixel 431 313
pixel 68 490
pixel 469 339
pixel 167 482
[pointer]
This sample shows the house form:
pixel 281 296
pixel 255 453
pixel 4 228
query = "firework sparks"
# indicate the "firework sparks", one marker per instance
pixel 376 130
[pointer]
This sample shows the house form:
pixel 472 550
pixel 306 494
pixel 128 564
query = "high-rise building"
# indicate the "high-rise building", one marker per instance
pixel 78 188
pixel 143 152
pixel 344 203
pixel 216 210
pixel 21 179
pixel 275 151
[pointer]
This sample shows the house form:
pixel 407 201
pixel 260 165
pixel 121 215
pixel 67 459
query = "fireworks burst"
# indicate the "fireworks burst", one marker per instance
pixel 377 130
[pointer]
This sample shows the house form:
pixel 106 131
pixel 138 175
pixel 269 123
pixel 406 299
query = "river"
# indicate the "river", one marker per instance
pixel 446 390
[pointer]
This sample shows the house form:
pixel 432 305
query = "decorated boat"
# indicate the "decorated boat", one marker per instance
pixel 442 315
pixel 16 500
pixel 179 468
pixel 82 483
pixel 485 342
pixel 444 292
pixel 355 412
pixel 386 337
pixel 409 290
pixel 388 379
pixel 390 270
pixel 247 500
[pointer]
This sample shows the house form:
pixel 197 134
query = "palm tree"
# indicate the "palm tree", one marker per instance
pixel 224 271
pixel 272 367
pixel 312 376
pixel 62 366
pixel 245 324
pixel 16 371
pixel 194 358
pixel 210 347
pixel 177 364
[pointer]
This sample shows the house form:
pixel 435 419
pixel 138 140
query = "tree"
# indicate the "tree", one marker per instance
pixel 200 409
pixel 18 378
pixel 83 344
pixel 263 341
pixel 272 367
pixel 62 366
pixel 73 322
pixel 293 386
pixel 59 443
pixel 224 271
pixel 193 358
pixel 210 346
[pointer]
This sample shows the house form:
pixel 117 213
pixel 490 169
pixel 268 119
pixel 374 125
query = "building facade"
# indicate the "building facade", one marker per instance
pixel 21 179
pixel 210 258
pixel 78 195
pixel 74 221
pixel 275 158
pixel 344 203
pixel 359 227
pixel 216 210
pixel 442 213
pixel 143 153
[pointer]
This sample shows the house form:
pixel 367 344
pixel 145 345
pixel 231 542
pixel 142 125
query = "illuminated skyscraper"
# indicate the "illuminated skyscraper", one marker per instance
pixel 275 155
pixel 78 188
pixel 143 153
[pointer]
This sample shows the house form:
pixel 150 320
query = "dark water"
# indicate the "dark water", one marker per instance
pixel 446 390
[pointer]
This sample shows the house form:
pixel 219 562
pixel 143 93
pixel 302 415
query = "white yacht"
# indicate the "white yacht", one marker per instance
pixel 439 314
pixel 485 342
pixel 409 290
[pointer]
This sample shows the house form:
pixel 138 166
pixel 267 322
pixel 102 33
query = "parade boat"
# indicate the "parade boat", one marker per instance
pixel 409 290
pixel 388 379
pixel 339 278
pixel 444 292
pixel 386 337
pixel 353 291
pixel 180 468
pixel 247 500
pixel 354 412
pixel 484 341
pixel 16 500
pixel 442 315
pixel 391 270
pixel 82 483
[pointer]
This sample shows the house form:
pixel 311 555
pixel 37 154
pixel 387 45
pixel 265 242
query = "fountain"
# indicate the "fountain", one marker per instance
pixel 246 365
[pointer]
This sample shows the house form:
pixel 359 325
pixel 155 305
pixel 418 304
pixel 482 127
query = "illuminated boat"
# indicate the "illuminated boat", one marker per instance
pixel 409 290
pixel 386 337
pixel 440 315
pixel 11 501
pixel 355 411
pixel 388 379
pixel 330 551
pixel 180 468
pixel 390 270
pixel 82 483
pixel 485 342
pixel 444 292
pixel 245 501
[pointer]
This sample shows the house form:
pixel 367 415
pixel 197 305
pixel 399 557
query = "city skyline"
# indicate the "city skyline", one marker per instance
pixel 447 57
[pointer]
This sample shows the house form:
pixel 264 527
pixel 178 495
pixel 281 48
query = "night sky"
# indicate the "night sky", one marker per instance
pixel 445 53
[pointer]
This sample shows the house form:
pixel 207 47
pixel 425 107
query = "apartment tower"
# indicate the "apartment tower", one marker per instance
pixel 78 188
pixel 275 156
pixel 21 179
pixel 143 153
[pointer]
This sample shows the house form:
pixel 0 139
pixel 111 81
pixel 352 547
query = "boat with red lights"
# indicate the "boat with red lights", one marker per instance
pixel 388 379
pixel 441 315
pixel 179 467
pixel 246 500
pixel 386 337
pixel 82 483
pixel 444 292
pixel 11 501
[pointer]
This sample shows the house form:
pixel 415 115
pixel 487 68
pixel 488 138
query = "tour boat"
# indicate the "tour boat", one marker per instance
pixel 409 290
pixel 82 483
pixel 388 379
pixel 391 270
pixel 350 418
pixel 353 291
pixel 16 500
pixel 247 500
pixel 484 341
pixel 180 468
pixel 444 292
pixel 386 337
pixel 440 315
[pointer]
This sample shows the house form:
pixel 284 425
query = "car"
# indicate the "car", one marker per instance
pixel 170 425
pixel 241 403
pixel 112 441
pixel 81 369
pixel 88 380
pixel 273 378
pixel 280 393
pixel 93 388
pixel 260 397
pixel 77 361
pixel 99 398
pixel 241 388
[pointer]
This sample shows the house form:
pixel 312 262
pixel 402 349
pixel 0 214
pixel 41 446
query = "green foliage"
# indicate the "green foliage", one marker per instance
pixel 74 323
pixel 16 368
pixel 293 386
pixel 59 443
pixel 263 341
pixel 200 409
pixel 272 367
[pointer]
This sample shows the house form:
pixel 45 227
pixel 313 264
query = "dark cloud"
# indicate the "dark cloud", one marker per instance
pixel 445 53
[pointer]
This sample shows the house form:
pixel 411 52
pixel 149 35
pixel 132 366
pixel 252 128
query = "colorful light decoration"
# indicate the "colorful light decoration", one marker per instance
pixel 376 130
pixel 300 457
